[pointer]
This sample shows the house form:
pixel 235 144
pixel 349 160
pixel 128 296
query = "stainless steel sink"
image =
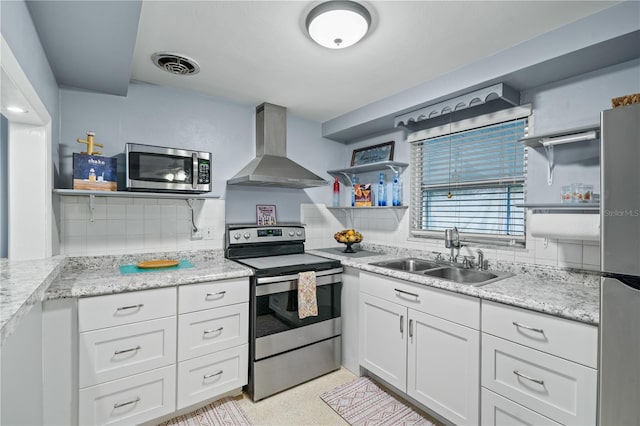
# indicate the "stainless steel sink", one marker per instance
pixel 459 275
pixel 408 264
pixel 442 271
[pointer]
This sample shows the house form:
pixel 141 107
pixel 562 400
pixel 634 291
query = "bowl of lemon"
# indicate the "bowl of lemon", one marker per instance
pixel 348 237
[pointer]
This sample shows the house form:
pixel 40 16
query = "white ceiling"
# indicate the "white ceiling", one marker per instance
pixel 259 51
pixel 256 51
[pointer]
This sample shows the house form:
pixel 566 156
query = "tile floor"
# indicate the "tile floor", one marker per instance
pixel 301 405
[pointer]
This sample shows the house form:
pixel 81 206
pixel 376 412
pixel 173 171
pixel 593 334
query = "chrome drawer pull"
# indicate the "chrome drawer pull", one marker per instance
pixel 208 376
pixel 124 308
pixel 410 328
pixel 406 292
pixel 401 323
pixel 133 401
pixel 524 376
pixel 537 330
pixel 212 331
pixel 220 293
pixel 124 351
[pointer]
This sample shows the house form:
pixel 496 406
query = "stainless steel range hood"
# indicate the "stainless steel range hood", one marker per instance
pixel 271 167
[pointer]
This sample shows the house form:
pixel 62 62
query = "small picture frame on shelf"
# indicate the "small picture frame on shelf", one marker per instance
pixel 373 154
pixel 265 214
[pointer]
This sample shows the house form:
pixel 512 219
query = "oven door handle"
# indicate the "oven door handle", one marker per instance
pixel 267 280
pixel 292 284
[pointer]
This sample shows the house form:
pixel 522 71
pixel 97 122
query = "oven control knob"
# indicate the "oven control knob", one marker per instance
pixel 236 235
pixel 247 235
pixel 299 233
pixel 291 233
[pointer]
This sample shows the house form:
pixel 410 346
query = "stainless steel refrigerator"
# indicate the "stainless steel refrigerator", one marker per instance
pixel 619 334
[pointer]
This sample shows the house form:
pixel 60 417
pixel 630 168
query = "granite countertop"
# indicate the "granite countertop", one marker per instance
pixel 574 295
pixel 23 284
pixel 563 293
pixel 87 276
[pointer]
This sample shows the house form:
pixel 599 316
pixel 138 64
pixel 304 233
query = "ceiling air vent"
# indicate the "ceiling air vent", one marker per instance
pixel 175 64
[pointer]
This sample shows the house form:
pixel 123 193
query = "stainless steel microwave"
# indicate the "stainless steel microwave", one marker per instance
pixel 158 168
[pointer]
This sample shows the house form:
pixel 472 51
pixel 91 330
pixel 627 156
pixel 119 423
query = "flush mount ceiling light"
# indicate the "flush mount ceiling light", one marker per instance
pixel 338 24
pixel 17 109
pixel 175 63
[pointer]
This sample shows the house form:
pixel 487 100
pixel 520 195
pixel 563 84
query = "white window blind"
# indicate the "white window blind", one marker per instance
pixel 471 179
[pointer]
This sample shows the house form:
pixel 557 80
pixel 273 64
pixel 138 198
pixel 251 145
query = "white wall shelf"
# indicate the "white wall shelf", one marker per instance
pixel 345 208
pixel 562 207
pixel 549 140
pixel 346 173
pixel 133 194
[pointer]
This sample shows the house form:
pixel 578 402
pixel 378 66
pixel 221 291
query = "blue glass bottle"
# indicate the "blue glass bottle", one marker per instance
pixel 382 190
pixel 397 190
pixel 354 181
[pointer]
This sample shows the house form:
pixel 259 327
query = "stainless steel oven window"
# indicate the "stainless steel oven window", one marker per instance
pixel 276 304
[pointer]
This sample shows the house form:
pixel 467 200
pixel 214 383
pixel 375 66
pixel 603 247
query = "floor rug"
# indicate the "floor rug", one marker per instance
pixel 363 402
pixel 224 412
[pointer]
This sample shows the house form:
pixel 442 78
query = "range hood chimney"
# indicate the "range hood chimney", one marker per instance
pixel 271 167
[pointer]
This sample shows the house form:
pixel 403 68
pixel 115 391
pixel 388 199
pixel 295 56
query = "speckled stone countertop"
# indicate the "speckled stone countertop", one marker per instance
pixel 23 284
pixel 563 293
pixel 96 276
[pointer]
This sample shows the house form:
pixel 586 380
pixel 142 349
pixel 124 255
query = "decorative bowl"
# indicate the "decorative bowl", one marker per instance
pixel 348 237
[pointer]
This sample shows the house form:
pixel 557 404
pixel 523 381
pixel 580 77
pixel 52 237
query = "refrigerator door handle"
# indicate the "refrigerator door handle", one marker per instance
pixel 628 280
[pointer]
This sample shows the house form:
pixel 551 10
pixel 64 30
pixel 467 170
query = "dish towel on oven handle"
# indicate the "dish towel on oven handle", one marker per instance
pixel 307 302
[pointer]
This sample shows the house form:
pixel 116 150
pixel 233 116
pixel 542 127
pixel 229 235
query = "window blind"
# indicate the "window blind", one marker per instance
pixel 471 179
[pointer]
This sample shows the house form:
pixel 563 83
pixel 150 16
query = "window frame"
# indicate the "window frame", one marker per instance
pixel 501 116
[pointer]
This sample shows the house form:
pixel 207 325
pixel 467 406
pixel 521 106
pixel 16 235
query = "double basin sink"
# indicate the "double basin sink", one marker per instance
pixel 443 271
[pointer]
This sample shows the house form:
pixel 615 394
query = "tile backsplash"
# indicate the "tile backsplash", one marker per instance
pixel 123 225
pixel 391 227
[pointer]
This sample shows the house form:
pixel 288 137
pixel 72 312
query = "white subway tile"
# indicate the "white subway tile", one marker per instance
pixel 116 211
pixel 74 228
pixel 135 212
pixel 135 227
pixel 97 228
pixel 591 255
pixel 75 246
pixel 116 227
pixel 569 253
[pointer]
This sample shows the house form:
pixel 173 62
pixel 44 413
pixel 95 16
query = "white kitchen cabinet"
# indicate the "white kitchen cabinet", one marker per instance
pixel 540 362
pixel 383 343
pixel 213 337
pixel 424 342
pixel 500 411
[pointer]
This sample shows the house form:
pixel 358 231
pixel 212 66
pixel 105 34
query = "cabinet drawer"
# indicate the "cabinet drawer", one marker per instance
pixel 211 330
pixel 115 352
pixel 132 400
pixel 210 375
pixel 499 411
pixel 556 388
pixel 459 308
pixel 125 308
pixel 196 297
pixel 568 339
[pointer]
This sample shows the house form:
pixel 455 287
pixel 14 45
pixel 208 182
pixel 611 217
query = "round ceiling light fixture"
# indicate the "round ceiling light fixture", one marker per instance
pixel 175 63
pixel 338 24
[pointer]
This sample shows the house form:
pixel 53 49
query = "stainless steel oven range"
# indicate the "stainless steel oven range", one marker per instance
pixel 285 350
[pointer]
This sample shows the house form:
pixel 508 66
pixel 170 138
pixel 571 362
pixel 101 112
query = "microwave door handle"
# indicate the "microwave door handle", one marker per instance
pixel 194 175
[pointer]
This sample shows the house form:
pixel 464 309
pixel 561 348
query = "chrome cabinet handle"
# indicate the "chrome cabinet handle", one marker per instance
pixel 410 328
pixel 406 292
pixel 124 351
pixel 220 293
pixel 124 308
pixel 208 376
pixel 524 376
pixel 133 401
pixel 212 331
pixel 401 323
pixel 537 330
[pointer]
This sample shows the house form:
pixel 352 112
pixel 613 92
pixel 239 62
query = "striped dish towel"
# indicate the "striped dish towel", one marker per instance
pixel 307 302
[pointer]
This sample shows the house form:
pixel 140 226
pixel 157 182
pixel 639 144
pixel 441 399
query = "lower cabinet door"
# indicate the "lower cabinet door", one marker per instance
pixel 500 411
pixel 211 375
pixel 131 400
pixel 383 342
pixel 444 367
